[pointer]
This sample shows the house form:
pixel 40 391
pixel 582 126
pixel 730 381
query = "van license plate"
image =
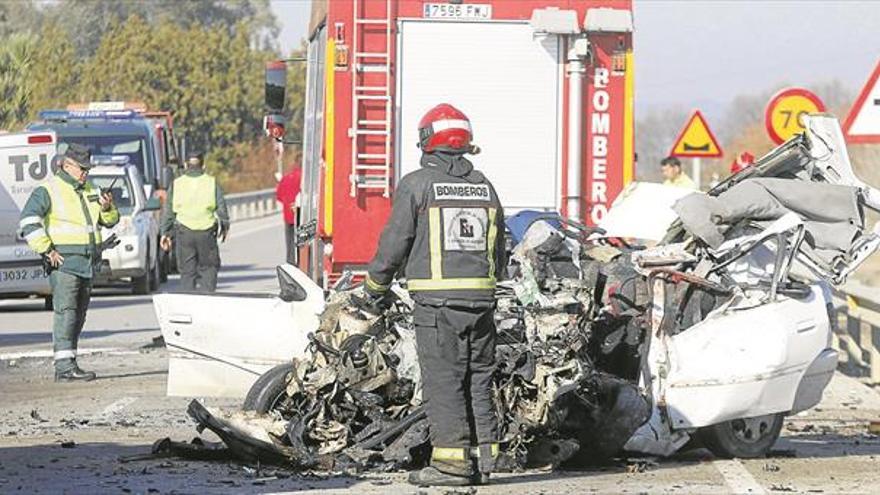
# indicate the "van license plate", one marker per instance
pixel 12 275
pixel 465 11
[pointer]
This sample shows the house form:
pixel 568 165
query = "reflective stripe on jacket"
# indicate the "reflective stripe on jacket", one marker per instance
pixel 71 223
pixel 194 201
pixel 447 225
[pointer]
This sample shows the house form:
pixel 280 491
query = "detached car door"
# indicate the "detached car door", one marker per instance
pixel 219 344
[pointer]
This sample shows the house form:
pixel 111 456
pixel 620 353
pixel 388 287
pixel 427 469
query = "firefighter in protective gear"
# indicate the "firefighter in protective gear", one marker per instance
pixel 447 227
pixel 195 217
pixel 61 220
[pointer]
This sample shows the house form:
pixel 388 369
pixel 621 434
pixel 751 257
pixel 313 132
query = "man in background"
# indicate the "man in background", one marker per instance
pixel 742 161
pixel 287 192
pixel 673 175
pixel 195 216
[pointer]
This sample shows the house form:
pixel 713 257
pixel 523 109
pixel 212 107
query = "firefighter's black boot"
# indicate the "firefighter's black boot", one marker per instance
pixel 484 462
pixel 450 466
pixel 480 479
pixel 431 476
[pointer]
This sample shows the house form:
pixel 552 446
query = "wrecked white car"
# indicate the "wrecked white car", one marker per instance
pixel 716 332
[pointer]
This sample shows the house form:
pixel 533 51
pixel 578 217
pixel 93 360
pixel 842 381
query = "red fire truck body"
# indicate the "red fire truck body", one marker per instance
pixel 547 85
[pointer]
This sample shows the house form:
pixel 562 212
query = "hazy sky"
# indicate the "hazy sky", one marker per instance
pixel 696 53
pixel 293 15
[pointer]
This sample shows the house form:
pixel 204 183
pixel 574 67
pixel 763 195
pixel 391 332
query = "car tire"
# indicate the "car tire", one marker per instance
pixel 141 285
pixel 744 438
pixel 268 389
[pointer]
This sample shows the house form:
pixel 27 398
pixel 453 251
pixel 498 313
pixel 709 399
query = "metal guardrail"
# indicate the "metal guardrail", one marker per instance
pixel 857 332
pixel 254 204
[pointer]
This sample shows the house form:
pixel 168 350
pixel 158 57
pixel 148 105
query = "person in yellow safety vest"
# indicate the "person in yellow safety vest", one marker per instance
pixel 195 216
pixel 61 221
pixel 673 175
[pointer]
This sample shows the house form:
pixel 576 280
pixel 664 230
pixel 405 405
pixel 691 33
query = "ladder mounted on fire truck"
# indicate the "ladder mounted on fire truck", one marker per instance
pixel 370 133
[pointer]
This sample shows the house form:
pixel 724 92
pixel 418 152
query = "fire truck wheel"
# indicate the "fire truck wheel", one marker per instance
pixel 744 438
pixel 269 391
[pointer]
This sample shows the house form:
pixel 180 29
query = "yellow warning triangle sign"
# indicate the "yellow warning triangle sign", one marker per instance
pixel 696 140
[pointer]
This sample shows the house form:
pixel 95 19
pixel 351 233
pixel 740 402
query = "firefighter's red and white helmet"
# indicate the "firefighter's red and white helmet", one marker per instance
pixel 445 128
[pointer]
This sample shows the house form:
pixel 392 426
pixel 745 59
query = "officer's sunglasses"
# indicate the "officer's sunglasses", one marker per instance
pixel 82 169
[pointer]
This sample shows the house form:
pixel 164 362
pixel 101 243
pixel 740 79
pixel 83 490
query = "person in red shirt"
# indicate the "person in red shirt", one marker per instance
pixel 742 161
pixel 286 193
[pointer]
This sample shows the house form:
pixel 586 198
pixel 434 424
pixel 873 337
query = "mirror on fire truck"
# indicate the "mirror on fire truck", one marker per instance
pixel 276 82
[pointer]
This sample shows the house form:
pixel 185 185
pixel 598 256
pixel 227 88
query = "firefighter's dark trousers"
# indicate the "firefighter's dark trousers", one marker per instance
pixel 198 259
pixel 70 299
pixel 456 349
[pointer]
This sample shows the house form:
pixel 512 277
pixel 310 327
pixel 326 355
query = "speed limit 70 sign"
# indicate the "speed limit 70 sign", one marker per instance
pixel 782 116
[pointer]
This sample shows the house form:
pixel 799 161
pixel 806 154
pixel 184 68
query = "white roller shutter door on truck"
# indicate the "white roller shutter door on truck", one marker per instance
pixel 507 81
pixel 25 162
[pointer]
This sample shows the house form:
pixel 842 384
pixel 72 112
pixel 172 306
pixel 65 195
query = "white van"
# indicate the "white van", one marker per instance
pixel 25 162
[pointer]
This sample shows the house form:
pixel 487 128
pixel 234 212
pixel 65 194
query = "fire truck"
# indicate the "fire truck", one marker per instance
pixel 547 84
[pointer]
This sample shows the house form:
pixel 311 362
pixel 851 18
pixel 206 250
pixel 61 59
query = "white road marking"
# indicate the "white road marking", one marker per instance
pixel 46 353
pixel 268 272
pixel 738 478
pixel 275 223
pixel 117 406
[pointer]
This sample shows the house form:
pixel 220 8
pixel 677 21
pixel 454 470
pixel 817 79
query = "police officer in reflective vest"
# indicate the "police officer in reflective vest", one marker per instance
pixel 447 227
pixel 61 220
pixel 195 216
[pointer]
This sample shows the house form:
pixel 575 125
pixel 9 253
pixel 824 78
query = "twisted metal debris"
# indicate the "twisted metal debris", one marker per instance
pixel 355 401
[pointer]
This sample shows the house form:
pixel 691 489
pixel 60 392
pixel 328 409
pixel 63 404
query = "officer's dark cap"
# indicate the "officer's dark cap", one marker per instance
pixel 79 153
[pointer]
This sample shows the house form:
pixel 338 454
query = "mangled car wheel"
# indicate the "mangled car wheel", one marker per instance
pixel 743 438
pixel 269 390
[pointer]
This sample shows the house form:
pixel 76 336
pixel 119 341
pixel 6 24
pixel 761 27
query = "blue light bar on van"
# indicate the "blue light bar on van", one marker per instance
pixel 118 160
pixel 64 115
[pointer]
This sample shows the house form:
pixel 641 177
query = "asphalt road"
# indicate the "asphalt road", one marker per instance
pixel 73 437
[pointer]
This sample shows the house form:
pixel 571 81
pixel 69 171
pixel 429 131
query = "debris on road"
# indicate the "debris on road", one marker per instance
pixel 156 343
pixel 640 465
pixel 197 449
pixel 355 401
pixel 782 488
